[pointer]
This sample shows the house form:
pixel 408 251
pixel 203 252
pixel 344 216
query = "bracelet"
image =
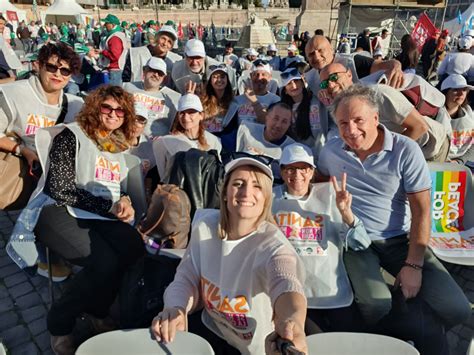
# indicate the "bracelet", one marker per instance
pixel 16 151
pixel 413 266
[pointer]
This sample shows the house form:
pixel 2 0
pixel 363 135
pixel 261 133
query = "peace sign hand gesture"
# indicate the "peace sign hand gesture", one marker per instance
pixel 343 199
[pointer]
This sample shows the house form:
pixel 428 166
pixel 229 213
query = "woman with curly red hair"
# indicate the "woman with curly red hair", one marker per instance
pixel 86 184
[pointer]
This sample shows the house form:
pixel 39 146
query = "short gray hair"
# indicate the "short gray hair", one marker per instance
pixel 356 91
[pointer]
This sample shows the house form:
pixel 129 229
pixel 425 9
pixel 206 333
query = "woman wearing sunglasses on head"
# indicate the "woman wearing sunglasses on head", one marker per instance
pixel 217 98
pixel 187 132
pixel 28 105
pixel 318 221
pixel 309 122
pixel 240 280
pixel 87 213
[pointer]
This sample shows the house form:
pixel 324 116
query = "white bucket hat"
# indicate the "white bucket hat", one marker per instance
pixel 455 81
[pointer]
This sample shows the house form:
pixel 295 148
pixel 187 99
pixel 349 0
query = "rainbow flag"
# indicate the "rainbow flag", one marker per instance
pixel 447 200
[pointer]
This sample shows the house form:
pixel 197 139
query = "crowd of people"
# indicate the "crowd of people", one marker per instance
pixel 325 180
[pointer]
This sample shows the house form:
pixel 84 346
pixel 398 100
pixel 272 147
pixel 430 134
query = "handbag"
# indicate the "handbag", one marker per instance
pixel 17 184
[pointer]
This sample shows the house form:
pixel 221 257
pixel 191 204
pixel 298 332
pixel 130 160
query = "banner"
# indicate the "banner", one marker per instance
pixel 447 201
pixel 12 16
pixel 423 30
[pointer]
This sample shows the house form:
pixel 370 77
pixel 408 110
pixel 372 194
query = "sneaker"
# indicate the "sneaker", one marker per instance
pixel 60 272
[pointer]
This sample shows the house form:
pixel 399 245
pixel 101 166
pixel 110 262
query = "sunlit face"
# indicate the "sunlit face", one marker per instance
pixel 164 43
pixel 152 79
pixel 190 119
pixel 228 50
pixel 109 26
pixel 294 88
pixel 319 52
pixel 2 26
pixel 277 122
pixel 113 119
pixel 219 80
pixel 195 64
pixel 260 80
pixel 244 195
pixel 357 123
pixel 456 96
pixel 53 82
pixel 344 78
pixel 297 177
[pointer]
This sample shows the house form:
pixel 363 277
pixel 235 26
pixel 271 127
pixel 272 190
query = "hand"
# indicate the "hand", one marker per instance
pixel 250 94
pixel 123 210
pixel 29 155
pixel 343 199
pixel 324 97
pixel 395 76
pixel 167 322
pixel 287 329
pixel 409 281
pixel 190 87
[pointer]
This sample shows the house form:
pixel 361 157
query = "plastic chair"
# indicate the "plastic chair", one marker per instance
pixel 141 341
pixel 357 343
pixel 452 198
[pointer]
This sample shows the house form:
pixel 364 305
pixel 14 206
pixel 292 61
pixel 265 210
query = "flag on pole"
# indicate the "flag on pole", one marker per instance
pixel 459 17
pixel 423 30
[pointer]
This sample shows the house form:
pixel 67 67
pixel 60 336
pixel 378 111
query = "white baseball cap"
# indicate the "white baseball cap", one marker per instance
pixel 271 47
pixel 292 48
pixel 252 51
pixel 234 164
pixel 194 48
pixel 297 153
pixel 141 110
pixel 156 64
pixel 189 101
pixel 168 30
pixel 455 81
pixel 261 65
pixel 288 75
pixel 465 42
pixel 218 67
pixel 378 52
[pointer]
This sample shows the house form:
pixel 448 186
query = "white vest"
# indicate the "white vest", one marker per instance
pixel 233 286
pixel 314 227
pixel 140 55
pixel 244 108
pixel 125 44
pixel 161 106
pixel 27 112
pixel 463 133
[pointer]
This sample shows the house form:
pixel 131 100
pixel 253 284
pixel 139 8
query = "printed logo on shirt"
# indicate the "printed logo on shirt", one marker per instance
pixel 106 170
pixel 314 118
pixel 35 122
pixel 305 233
pixel 461 138
pixel 247 113
pixel 213 124
pixel 228 310
pixel 153 104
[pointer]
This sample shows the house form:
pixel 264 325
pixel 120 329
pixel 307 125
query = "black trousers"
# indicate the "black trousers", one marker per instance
pixel 105 249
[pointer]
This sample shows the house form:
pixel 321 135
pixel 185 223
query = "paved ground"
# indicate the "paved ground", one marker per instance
pixel 24 301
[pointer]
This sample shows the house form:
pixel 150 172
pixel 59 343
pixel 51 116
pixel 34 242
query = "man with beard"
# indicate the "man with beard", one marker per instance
pixel 166 37
pixel 160 101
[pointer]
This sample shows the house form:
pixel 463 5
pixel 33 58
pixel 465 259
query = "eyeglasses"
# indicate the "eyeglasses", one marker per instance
pixel 259 62
pixel 291 170
pixel 106 109
pixel 155 71
pixel 141 120
pixel 290 73
pixel 229 156
pixel 333 77
pixel 51 68
pixel 217 66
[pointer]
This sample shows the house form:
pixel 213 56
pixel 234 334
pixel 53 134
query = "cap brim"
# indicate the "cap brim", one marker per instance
pixel 195 54
pixel 470 87
pixel 287 81
pixel 234 164
pixel 174 36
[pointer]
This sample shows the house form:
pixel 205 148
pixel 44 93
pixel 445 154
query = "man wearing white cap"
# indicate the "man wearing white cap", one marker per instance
pixel 166 37
pixel 292 57
pixel 160 101
pixel 252 105
pixel 245 62
pixel 272 57
pixel 195 67
pixel 460 62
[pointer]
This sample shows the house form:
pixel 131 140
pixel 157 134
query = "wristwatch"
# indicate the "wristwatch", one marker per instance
pixel 17 149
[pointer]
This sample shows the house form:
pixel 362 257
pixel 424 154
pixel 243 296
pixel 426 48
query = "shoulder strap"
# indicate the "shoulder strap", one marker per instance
pixel 63 113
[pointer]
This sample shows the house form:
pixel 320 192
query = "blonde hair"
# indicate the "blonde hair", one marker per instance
pixel 266 185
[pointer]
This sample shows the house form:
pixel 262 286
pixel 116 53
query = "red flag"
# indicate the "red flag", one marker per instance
pixel 200 31
pixel 180 31
pixel 424 29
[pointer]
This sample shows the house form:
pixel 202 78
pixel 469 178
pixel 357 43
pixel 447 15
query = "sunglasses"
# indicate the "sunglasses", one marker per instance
pixel 229 156
pixel 106 109
pixel 333 77
pixel 141 120
pixel 51 68
pixel 290 73
pixel 259 62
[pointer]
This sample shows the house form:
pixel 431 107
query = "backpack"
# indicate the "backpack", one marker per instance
pixel 168 219
pixel 142 290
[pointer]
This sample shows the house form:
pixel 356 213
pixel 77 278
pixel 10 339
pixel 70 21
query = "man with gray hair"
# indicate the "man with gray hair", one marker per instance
pixel 390 186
